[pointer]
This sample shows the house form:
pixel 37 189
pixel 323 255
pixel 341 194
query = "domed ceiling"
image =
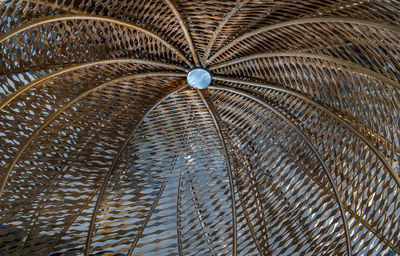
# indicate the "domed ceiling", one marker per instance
pixel 174 127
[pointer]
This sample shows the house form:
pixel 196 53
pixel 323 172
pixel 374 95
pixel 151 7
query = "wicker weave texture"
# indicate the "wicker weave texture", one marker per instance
pixel 292 150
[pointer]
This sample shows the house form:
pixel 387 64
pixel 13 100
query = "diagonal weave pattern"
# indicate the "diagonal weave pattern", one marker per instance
pixel 292 150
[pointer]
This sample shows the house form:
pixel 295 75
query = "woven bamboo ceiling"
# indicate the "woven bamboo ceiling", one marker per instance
pixel 293 148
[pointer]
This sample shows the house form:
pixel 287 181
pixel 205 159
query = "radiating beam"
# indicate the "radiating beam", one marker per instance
pixel 39 209
pixel 228 166
pixel 115 163
pixel 351 212
pixel 357 68
pixel 305 138
pixel 221 25
pixel 253 183
pixel 65 17
pixel 52 117
pixel 250 225
pixel 68 224
pixel 74 67
pixel 394 28
pixel 197 208
pixel 325 110
pixel 168 2
pixel 146 220
pixel 178 213
pixel 185 30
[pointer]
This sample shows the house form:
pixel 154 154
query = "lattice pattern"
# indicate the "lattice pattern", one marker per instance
pixel 292 150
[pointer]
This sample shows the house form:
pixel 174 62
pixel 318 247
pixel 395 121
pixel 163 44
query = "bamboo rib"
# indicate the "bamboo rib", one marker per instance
pixel 308 142
pixel 228 166
pixel 54 74
pixel 65 17
pixel 50 119
pixel 355 67
pixel 303 21
pixel 239 4
pixel 114 165
pixel 185 31
pixel 325 110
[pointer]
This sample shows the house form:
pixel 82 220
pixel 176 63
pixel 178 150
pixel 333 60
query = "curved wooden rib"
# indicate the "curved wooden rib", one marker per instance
pixel 303 21
pixel 88 200
pixel 168 2
pixel 69 224
pixel 38 81
pixel 35 68
pixel 65 17
pixel 228 166
pixel 185 30
pixel 197 208
pixel 114 165
pixel 350 211
pixel 250 225
pixel 39 211
pixel 243 202
pixel 202 221
pixel 254 184
pixel 51 118
pixel 355 67
pixel 310 145
pixel 178 217
pixel 220 26
pixel 53 188
pixel 148 216
pixel 325 110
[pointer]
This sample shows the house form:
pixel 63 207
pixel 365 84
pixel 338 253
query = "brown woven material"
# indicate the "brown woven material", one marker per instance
pixel 292 150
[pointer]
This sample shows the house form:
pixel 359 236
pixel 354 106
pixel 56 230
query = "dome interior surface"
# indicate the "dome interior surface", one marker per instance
pixel 177 127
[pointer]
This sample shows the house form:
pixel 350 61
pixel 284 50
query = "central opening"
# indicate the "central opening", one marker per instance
pixel 199 78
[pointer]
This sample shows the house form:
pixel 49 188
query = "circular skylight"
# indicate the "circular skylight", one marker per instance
pixel 199 78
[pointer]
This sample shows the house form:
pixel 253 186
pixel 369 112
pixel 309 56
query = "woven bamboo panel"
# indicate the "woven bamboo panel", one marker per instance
pixel 293 149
